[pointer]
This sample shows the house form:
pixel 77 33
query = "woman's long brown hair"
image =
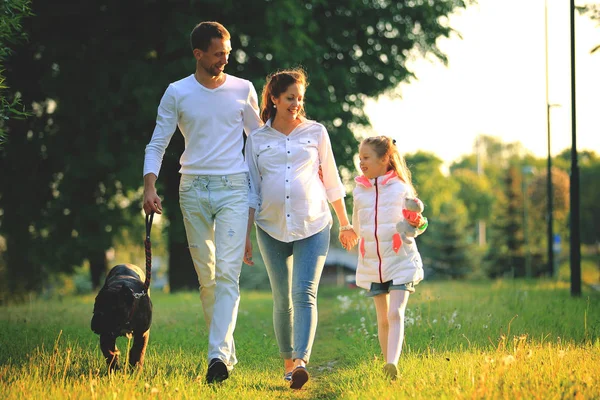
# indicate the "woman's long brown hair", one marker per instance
pixel 277 83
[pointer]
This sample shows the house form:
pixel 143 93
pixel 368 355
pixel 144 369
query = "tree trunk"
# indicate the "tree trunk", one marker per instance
pixel 182 275
pixel 23 275
pixel 97 268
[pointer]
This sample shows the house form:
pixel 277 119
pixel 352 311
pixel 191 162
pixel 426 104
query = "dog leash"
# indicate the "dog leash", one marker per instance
pixel 148 247
pixel 138 296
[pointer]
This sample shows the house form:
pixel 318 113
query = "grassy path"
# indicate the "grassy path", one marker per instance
pixel 503 339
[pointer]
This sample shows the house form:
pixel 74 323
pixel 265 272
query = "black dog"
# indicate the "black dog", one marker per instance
pixel 123 307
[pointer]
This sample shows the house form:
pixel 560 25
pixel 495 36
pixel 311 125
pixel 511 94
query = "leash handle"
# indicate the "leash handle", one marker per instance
pixel 148 248
pixel 149 218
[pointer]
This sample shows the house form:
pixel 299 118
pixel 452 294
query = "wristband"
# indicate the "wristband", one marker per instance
pixel 348 227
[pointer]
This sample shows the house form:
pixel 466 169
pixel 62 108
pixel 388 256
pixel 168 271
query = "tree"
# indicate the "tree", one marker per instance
pixel 432 187
pixel 505 252
pixel 593 12
pixel 589 175
pixel 538 195
pixel 490 160
pixel 475 191
pixel 106 75
pixel 590 199
pixel 451 253
pixel 491 156
pixel 11 33
pixel 79 139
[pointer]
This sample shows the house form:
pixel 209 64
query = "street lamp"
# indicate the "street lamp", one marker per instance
pixel 574 192
pixel 549 209
pixel 549 190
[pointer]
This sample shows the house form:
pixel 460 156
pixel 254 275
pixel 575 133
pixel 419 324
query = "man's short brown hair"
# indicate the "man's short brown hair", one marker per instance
pixel 205 32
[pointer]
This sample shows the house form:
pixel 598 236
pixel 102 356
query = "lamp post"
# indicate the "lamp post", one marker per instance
pixel 549 205
pixel 549 191
pixel 575 238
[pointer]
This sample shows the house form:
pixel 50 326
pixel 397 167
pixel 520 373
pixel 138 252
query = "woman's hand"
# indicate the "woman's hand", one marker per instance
pixel 348 237
pixel 248 252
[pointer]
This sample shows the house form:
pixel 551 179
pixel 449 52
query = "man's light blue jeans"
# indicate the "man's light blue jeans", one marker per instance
pixel 294 272
pixel 215 214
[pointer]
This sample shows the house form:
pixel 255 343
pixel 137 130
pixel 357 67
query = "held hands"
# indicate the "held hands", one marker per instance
pixel 348 238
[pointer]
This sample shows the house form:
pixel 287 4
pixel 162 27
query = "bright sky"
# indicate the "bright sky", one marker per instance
pixel 494 84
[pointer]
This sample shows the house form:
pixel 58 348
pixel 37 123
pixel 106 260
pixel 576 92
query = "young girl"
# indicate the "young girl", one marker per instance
pixel 389 264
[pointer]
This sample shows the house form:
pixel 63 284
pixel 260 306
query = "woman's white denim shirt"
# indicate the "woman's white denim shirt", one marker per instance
pixel 285 189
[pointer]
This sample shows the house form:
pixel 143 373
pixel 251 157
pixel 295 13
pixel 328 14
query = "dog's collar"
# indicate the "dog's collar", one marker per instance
pixel 136 300
pixel 117 288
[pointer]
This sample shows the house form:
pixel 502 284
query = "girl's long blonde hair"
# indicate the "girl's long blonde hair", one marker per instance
pixel 386 146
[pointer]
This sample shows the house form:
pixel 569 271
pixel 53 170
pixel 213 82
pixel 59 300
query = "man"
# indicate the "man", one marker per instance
pixel 211 109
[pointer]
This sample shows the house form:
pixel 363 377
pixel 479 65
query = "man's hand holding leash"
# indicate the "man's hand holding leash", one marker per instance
pixel 152 202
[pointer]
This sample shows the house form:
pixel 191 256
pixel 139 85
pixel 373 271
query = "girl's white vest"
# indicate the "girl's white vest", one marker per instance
pixel 383 254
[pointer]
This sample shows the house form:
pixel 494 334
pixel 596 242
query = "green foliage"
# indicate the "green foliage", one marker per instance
pixel 475 192
pixel 505 254
pixel 537 198
pixel 501 339
pixel 447 247
pixel 433 188
pixel 491 156
pixel 589 195
pixel 593 12
pixel 11 33
pixel 95 72
pixel 449 252
pixel 525 201
pixel 589 176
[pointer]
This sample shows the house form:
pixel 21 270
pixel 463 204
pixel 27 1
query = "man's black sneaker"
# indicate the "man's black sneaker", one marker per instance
pixel 217 371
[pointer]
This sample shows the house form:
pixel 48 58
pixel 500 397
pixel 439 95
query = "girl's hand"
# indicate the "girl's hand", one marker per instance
pixel 348 239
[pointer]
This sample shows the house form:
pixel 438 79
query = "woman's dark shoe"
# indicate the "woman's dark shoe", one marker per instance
pixel 299 377
pixel 217 371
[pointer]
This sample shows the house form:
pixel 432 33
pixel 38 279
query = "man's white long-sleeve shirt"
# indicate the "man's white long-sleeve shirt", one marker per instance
pixel 212 122
pixel 285 189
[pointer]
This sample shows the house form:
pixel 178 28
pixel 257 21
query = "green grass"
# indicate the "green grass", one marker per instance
pixel 502 339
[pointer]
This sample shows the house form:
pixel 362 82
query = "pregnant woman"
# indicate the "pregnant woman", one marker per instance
pixel 289 202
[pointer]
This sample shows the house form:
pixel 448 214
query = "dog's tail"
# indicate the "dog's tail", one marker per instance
pixel 148 246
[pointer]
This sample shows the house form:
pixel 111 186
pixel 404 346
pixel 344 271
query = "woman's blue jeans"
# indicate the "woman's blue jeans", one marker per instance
pixel 294 272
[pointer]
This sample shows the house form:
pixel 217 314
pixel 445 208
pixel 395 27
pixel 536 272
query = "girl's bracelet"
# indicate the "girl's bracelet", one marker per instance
pixel 348 227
